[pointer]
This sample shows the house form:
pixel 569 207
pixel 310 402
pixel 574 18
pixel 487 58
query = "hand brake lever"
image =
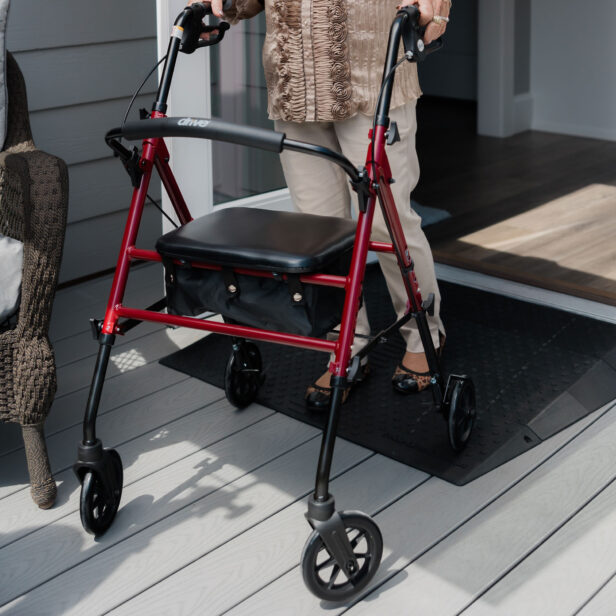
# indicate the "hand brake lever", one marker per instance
pixel 415 49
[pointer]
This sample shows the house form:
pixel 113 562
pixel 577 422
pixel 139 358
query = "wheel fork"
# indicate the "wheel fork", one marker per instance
pixel 324 518
pixel 322 514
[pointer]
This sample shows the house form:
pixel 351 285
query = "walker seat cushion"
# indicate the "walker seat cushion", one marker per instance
pixel 282 242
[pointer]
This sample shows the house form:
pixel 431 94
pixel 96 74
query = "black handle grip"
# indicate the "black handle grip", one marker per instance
pixel 202 128
pixel 201 9
pixel 221 27
pixel 413 15
pixel 190 21
pixel 412 36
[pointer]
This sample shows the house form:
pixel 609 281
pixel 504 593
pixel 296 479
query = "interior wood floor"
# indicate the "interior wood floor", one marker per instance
pixel 537 208
pixel 211 518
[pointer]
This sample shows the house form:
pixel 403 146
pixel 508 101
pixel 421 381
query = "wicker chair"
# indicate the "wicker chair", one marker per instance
pixel 33 207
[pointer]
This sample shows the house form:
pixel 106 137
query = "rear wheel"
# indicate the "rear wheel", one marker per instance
pixel 243 375
pixel 462 413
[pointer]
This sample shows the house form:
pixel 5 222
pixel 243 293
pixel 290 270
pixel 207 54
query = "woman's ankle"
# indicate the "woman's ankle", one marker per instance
pixel 416 362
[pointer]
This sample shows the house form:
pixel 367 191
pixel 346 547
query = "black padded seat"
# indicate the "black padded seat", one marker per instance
pixel 251 238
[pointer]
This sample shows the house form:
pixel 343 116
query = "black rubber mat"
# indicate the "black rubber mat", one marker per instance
pixel 536 370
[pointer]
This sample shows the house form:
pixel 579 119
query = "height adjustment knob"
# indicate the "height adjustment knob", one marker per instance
pixel 393 135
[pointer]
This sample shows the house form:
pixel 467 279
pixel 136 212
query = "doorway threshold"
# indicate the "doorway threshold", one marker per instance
pixel 535 295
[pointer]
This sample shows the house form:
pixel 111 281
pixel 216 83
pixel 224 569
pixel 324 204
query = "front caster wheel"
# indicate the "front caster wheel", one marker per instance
pixel 243 375
pixel 462 412
pixel 98 506
pixel 325 578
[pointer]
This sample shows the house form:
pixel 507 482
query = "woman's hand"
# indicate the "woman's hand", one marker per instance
pixel 216 11
pixel 216 6
pixel 430 12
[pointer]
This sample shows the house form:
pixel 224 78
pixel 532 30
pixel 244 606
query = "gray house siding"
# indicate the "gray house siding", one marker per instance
pixel 81 67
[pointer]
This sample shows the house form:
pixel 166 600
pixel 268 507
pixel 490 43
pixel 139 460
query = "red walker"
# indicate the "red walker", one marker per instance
pixel 344 550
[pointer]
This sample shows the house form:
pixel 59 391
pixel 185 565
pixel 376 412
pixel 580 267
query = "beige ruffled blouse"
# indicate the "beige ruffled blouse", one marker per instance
pixel 323 59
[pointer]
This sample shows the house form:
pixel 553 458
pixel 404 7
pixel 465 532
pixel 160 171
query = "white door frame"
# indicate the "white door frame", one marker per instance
pixel 191 159
pixel 495 68
pixel 500 112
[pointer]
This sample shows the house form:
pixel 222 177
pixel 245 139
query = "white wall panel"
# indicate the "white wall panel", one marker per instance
pixel 573 67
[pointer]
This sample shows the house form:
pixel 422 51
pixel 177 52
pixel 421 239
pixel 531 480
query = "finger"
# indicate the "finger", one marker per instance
pixel 217 8
pixel 433 31
pixel 207 35
pixel 426 10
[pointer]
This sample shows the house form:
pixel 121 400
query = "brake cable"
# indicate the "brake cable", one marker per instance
pixel 389 75
pixel 132 100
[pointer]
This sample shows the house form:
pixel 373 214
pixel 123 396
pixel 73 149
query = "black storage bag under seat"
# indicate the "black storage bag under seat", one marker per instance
pixel 284 244
pixel 266 303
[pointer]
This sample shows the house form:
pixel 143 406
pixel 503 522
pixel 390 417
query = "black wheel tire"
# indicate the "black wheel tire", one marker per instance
pixel 98 508
pixel 324 578
pixel 243 379
pixel 462 413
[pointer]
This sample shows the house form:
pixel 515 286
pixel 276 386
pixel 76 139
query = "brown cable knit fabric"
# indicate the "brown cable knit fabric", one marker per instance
pixel 33 208
pixel 323 59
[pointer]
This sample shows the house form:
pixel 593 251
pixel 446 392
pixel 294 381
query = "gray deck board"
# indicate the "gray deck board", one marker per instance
pixel 212 521
pixel 126 357
pixel 177 540
pixel 263 552
pixel 603 602
pixel 455 572
pixel 414 525
pixel 68 409
pixel 141 456
pixel 149 500
pixel 121 425
pixel 559 576
pixel 74 306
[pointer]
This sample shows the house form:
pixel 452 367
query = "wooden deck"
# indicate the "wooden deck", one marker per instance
pixel 211 519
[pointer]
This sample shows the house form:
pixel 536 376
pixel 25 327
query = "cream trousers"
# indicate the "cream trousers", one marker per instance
pixel 320 187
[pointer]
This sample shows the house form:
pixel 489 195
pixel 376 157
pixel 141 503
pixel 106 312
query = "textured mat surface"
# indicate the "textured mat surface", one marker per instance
pixel 536 371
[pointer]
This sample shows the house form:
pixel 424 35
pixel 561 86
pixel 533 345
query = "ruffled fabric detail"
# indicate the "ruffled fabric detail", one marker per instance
pixel 331 58
pixel 288 92
pixel 323 59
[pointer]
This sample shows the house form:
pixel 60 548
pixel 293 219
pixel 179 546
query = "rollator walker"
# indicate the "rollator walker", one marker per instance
pixel 316 265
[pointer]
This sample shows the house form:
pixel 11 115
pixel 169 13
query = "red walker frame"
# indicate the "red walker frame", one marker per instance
pixel 155 155
pixel 100 470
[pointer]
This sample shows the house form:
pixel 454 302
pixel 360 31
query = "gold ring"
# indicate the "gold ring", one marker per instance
pixel 439 19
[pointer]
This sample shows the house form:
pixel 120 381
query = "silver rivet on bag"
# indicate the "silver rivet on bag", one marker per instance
pixel 297 297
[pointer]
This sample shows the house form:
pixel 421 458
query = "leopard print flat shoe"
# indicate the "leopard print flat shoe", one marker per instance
pixel 407 381
pixel 317 396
